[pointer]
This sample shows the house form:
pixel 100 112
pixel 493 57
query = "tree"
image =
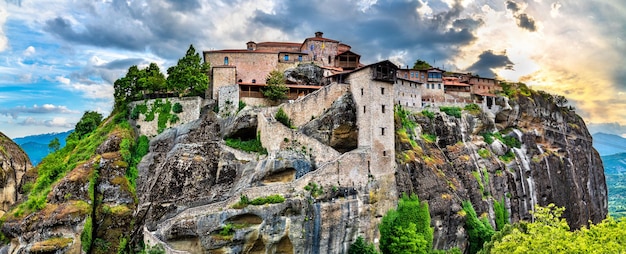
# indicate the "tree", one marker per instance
pixel 86 125
pixel 360 246
pixel 189 75
pixel 54 144
pixel 275 89
pixel 421 65
pixel 478 230
pixel 407 229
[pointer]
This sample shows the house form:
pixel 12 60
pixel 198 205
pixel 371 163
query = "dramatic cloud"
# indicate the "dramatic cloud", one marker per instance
pixel 487 62
pixel 35 109
pixel 526 22
pixel 523 20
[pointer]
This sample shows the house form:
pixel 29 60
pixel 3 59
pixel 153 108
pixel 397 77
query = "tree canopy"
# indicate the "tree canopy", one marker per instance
pixel 188 76
pixel 549 233
pixel 275 89
pixel 421 65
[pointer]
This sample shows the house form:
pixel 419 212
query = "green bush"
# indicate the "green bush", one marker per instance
pixel 429 138
pixel 502 214
pixel 507 157
pixel 472 108
pixel 271 199
pixel 484 153
pixel 478 230
pixel 282 117
pixel 451 111
pixel 429 114
pixel 360 246
pixel 164 116
pixel 407 229
pixel 242 105
pixel 227 230
pixel 85 236
pixel 314 189
pixel 177 108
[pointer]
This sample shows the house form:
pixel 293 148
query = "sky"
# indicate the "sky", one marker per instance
pixel 59 58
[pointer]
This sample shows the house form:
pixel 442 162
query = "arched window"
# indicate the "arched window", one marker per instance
pixel 254 81
pixel 240 81
pixel 225 60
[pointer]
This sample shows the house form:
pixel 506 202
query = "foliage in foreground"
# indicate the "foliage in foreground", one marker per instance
pixel 360 246
pixel 478 230
pixel 549 233
pixel 407 229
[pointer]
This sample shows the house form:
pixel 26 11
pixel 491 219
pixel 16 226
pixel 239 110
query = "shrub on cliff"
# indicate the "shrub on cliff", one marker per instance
pixel 407 229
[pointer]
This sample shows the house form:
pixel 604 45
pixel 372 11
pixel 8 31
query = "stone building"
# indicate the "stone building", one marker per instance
pixel 456 90
pixel 250 67
pixel 408 93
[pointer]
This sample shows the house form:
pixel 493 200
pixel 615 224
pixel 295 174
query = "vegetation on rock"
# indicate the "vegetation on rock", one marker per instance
pixel 407 228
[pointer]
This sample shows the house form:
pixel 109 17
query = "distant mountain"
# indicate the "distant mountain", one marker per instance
pixel 608 144
pixel 614 164
pixel 36 146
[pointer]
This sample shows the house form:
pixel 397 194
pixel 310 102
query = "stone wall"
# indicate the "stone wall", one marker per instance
pixel 313 105
pixel 221 76
pixel 276 136
pixel 408 94
pixel 251 65
pixel 228 102
pixel 191 112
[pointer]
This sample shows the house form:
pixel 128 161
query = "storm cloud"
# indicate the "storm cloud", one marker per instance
pixel 524 20
pixel 487 62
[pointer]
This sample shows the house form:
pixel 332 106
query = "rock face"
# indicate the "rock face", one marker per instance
pixel 312 189
pixel 14 163
pixel 555 163
pixel 336 127
pixel 305 74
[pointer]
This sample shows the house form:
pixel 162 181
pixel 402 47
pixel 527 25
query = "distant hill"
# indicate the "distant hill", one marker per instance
pixel 614 164
pixel 36 146
pixel 608 144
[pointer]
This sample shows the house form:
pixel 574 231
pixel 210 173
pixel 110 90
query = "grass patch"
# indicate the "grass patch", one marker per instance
pixel 429 114
pixel 484 153
pixel 244 201
pixel 451 111
pixel 253 145
pixel 472 108
pixel 429 138
pixel 507 157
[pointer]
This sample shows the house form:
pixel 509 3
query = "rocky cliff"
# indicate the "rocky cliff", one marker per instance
pixel 14 163
pixel 255 183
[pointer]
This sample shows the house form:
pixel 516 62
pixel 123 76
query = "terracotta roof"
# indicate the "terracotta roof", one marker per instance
pixel 278 43
pixel 320 39
pixel 287 85
pixel 486 94
pixel 241 51
pixel 414 81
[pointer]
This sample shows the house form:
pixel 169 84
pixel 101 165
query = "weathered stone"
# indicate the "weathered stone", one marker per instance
pixel 305 74
pixel 337 126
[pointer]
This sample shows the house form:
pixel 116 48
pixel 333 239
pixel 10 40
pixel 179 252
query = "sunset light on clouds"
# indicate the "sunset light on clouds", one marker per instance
pixel 60 58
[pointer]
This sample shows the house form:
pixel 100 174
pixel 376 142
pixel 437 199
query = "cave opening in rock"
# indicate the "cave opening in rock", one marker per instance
pixel 245 134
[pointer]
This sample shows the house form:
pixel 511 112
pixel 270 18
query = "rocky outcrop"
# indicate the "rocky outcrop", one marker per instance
pixel 554 163
pixel 14 163
pixel 336 127
pixel 89 209
pixel 305 74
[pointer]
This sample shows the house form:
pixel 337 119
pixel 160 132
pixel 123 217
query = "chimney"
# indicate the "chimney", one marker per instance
pixel 318 34
pixel 251 45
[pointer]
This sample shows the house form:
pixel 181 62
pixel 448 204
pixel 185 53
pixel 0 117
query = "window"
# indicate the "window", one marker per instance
pixel 382 90
pixel 300 58
pixel 328 59
pixel 253 81
pixel 382 131
pixel 225 60
pixel 361 91
pixel 406 75
pixel 383 108
pixel 364 109
pixel 286 57
pixel 384 153
pixel 412 74
pixel 438 86
pixel 240 81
